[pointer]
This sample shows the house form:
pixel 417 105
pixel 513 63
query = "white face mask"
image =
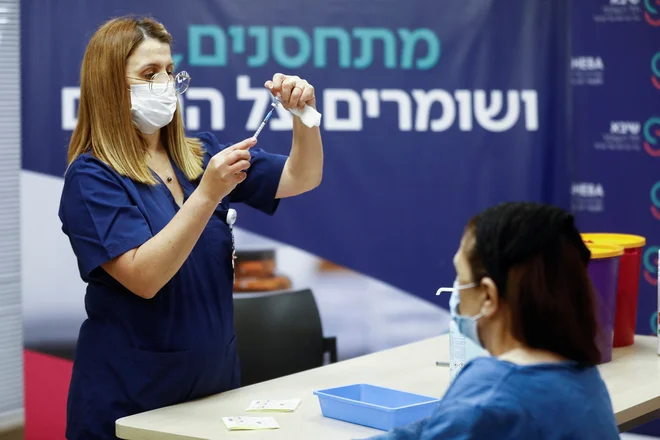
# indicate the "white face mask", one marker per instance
pixel 151 112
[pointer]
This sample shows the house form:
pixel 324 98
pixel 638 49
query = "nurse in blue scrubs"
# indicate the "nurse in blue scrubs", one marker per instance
pixel 145 210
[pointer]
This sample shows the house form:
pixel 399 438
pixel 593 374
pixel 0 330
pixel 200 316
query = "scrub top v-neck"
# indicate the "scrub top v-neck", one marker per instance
pixel 164 185
pixel 136 354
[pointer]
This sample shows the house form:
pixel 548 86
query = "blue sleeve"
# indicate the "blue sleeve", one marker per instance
pixel 98 215
pixel 258 190
pixel 456 421
pixel 412 431
pixel 462 420
pixel 449 420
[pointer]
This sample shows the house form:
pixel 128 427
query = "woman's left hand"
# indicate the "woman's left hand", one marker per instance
pixel 294 91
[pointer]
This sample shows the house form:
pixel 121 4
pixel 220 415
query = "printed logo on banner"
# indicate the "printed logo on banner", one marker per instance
pixel 651 265
pixel 651 136
pixel 623 135
pixel 343 109
pixel 650 262
pixel 587 196
pixel 613 11
pixel 652 12
pixel 655 70
pixel 587 70
pixel 655 200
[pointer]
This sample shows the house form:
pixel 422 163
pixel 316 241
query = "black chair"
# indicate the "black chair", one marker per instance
pixel 279 334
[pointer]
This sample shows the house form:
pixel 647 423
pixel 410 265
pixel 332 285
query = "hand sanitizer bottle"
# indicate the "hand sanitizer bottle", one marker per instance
pixel 461 351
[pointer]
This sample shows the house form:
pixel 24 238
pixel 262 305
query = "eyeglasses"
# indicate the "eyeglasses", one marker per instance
pixel 159 83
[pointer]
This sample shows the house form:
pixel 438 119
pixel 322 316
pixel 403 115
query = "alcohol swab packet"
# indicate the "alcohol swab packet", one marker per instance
pixel 289 405
pixel 250 423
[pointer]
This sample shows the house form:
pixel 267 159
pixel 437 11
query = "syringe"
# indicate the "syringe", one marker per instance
pixel 273 102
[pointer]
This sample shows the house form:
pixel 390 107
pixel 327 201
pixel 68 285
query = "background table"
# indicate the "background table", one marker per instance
pixel 632 378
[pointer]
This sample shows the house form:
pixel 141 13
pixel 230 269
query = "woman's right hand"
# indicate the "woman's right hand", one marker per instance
pixel 226 169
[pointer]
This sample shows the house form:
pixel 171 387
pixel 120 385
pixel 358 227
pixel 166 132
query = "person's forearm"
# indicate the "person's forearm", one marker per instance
pixel 156 261
pixel 305 162
pixel 304 167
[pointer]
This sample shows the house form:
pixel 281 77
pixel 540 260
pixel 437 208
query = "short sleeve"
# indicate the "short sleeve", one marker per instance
pixel 449 420
pixel 98 215
pixel 412 431
pixel 463 419
pixel 455 420
pixel 258 190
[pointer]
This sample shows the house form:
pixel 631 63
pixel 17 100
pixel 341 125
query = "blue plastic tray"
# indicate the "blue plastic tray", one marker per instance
pixel 375 407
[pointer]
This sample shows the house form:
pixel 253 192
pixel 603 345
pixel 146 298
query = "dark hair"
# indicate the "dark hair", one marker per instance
pixel 538 261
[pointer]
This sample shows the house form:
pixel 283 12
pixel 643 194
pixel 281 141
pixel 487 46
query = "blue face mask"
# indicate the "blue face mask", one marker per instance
pixel 467 325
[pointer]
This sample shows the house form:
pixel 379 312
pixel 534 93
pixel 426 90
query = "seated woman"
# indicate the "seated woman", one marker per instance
pixel 523 293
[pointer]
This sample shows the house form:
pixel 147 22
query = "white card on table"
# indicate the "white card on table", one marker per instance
pixel 250 423
pixel 274 405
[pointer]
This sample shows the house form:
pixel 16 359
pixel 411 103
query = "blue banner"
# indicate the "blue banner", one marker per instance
pixel 617 129
pixel 616 87
pixel 431 112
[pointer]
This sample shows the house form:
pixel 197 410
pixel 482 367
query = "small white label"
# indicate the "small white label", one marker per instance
pixel 250 423
pixel 274 405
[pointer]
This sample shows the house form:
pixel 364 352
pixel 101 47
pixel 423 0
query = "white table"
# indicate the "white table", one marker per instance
pixel 632 378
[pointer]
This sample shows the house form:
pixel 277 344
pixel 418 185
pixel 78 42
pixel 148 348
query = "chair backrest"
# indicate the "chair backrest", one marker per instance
pixel 277 334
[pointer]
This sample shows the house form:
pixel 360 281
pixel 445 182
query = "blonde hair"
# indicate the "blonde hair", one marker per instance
pixel 104 118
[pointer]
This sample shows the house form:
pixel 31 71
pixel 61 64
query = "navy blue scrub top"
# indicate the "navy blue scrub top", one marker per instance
pixel 136 354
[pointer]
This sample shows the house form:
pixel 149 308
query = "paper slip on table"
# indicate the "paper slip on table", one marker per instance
pixel 632 378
